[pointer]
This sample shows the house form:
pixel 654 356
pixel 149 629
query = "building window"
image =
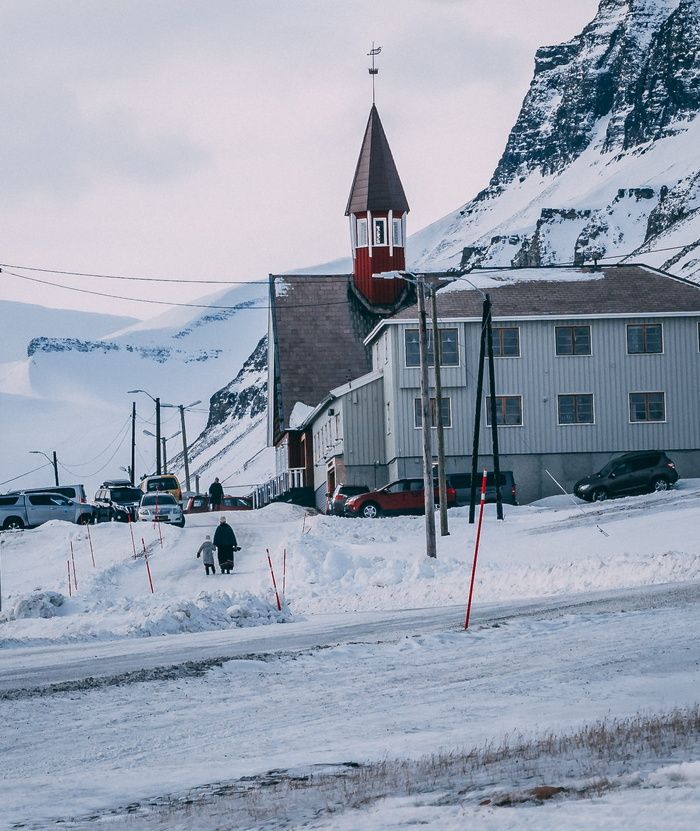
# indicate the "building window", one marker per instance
pixel 361 233
pixel 575 409
pixel 396 231
pixel 573 340
pixel 506 342
pixel 644 338
pixel 449 347
pixel 647 406
pixel 379 232
pixel 445 411
pixel 509 410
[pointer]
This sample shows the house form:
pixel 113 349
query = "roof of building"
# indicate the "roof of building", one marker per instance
pixel 376 185
pixel 612 290
pixel 318 329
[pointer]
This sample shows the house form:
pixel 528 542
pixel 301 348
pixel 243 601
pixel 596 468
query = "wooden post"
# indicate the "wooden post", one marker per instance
pixel 437 359
pixel 428 489
pixel 494 419
pixel 477 408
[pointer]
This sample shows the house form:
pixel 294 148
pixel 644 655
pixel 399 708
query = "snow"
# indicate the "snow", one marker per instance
pixel 205 681
pixel 299 414
pixel 490 281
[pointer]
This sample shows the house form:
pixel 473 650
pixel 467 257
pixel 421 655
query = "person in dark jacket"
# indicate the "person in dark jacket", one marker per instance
pixel 216 494
pixel 226 544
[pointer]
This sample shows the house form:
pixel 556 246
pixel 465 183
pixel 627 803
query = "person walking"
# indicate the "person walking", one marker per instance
pixel 216 494
pixel 207 549
pixel 226 544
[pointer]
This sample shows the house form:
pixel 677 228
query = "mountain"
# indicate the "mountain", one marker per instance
pixel 602 160
pixel 68 392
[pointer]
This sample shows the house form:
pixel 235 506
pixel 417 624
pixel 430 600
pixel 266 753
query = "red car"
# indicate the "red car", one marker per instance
pixel 405 496
pixel 201 504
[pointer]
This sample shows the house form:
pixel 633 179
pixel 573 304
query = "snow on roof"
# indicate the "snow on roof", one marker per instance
pixel 486 281
pixel 300 412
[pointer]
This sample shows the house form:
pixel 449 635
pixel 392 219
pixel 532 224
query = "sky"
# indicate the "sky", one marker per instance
pixel 217 140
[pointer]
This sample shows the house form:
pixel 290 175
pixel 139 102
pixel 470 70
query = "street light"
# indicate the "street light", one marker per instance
pixel 157 435
pixel 182 408
pixel 53 462
pixel 164 442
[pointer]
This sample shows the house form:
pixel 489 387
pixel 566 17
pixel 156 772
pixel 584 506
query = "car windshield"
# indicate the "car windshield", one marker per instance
pixel 167 483
pixel 125 494
pixel 159 499
pixel 608 469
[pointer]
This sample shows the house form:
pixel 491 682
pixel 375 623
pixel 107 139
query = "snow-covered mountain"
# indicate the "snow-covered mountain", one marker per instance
pixel 68 392
pixel 602 160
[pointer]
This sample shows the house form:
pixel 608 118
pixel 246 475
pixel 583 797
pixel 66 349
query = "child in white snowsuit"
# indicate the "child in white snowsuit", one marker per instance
pixel 207 549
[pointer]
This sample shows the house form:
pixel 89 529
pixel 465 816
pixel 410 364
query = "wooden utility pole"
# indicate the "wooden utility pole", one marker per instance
pixel 486 313
pixel 494 419
pixel 437 361
pixel 158 469
pixel 55 467
pixel 133 443
pixel 184 447
pixel 429 503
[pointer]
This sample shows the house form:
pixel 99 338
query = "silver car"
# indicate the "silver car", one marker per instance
pixel 161 507
pixel 27 510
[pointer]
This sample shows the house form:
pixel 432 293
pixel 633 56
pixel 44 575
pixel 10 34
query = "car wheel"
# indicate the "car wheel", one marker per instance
pixel 599 495
pixel 13 523
pixel 83 519
pixel 180 524
pixel 659 484
pixel 370 510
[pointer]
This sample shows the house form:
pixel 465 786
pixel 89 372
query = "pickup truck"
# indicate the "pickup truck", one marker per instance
pixel 27 510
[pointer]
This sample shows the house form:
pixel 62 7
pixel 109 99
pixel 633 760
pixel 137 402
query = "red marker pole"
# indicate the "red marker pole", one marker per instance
pixel 148 567
pixel 70 589
pixel 476 548
pixel 133 542
pixel 72 559
pixel 92 552
pixel 274 584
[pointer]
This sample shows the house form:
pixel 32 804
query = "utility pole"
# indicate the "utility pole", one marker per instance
pixel 184 447
pixel 158 470
pixel 428 488
pixel 477 407
pixel 494 420
pixel 165 456
pixel 132 474
pixel 55 467
pixel 437 360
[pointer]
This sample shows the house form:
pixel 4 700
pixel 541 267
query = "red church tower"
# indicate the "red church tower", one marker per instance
pixel 377 209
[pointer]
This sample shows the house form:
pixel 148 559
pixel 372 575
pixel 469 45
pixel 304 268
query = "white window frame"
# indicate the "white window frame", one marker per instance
pixel 576 423
pixel 376 222
pixel 456 328
pixel 573 326
pixel 362 231
pixel 446 398
pixel 505 395
pixel 664 420
pixel 508 357
pixel 637 354
pixel 397 239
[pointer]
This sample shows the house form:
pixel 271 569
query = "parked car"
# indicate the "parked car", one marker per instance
pixel 75 492
pixel 638 472
pixel 335 502
pixel 404 496
pixel 27 510
pixel 118 501
pixel 200 503
pixel 166 483
pixel 161 507
pixel 462 483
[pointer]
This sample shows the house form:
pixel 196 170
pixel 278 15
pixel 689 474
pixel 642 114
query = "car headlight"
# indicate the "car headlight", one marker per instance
pixel 584 487
pixel 145 511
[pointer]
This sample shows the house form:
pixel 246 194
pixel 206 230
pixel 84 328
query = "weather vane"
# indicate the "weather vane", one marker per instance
pixel 373 70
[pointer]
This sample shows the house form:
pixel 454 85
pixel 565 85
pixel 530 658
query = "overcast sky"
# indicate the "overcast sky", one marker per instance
pixel 217 139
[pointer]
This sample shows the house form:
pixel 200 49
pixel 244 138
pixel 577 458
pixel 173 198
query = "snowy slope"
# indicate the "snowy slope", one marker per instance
pixel 602 161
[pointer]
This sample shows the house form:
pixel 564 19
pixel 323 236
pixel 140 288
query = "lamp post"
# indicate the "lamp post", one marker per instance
pixel 53 462
pixel 182 408
pixel 156 401
pixel 164 441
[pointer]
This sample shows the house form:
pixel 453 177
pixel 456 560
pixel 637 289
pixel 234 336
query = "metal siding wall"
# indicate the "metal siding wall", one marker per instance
pixel 363 428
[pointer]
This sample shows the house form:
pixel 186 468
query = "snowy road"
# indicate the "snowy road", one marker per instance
pixel 414 684
pixel 34 668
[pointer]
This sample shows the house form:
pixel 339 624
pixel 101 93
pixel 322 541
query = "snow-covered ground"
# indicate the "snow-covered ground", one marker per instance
pixel 581 613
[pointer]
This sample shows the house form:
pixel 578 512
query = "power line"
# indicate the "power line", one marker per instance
pixel 21 475
pixel 102 452
pixel 95 472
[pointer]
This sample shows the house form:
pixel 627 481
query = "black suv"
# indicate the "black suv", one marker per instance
pixel 117 501
pixel 639 472
pixel 335 502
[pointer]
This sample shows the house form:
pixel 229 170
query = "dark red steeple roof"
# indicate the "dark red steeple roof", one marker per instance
pixel 376 186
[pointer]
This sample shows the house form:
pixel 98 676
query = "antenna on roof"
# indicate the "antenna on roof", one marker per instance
pixel 373 70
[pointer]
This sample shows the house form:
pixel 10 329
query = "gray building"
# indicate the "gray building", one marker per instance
pixel 589 364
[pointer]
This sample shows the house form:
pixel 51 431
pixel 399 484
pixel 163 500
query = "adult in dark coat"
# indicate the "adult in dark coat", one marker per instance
pixel 216 494
pixel 226 544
